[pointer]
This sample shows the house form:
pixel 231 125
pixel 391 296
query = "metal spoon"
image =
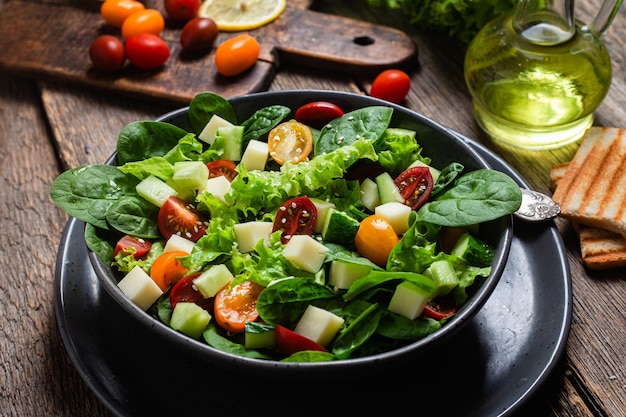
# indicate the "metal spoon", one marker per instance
pixel 537 207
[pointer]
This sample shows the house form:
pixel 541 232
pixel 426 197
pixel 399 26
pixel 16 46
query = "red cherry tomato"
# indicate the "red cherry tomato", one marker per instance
pixel 415 185
pixel 391 85
pixel 198 34
pixel 440 308
pixel 318 113
pixel 235 55
pixel 295 217
pixel 183 291
pixel 114 12
pixel 147 51
pixel 143 21
pixel 178 217
pixel 107 53
pixel 236 306
pixel 182 9
pixel 290 342
pixel 222 167
pixel 140 245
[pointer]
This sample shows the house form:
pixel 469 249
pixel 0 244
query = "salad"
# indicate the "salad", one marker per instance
pixel 303 234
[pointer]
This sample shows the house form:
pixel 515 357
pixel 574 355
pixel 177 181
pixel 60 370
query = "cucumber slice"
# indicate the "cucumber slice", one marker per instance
pixel 233 142
pixel 387 190
pixel 474 250
pixel 443 275
pixel 339 228
pixel 155 191
pixel 190 174
pixel 190 319
pixel 259 335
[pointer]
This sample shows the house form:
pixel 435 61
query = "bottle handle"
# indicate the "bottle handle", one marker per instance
pixel 600 25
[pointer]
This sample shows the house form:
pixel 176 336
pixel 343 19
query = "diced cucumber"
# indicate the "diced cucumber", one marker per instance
pixel 474 250
pixel 443 275
pixel 342 274
pixel 154 190
pixel 233 141
pixel 190 174
pixel 408 300
pixel 434 172
pixel 208 133
pixel 190 319
pixel 259 335
pixel 397 214
pixel 211 281
pixel 369 194
pixel 339 228
pixel 322 209
pixel 387 190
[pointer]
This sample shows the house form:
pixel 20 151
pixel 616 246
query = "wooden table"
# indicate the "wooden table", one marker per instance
pixel 47 128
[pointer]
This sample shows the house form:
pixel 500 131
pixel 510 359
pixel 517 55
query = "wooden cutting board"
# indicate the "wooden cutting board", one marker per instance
pixel 49 39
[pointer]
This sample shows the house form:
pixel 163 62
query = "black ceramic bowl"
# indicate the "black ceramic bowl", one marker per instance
pixel 438 143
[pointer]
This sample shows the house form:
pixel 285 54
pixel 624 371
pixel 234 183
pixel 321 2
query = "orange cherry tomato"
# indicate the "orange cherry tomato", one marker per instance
pixel 144 21
pixel 236 306
pixel 375 239
pixel 290 141
pixel 114 12
pixel 167 269
pixel 235 55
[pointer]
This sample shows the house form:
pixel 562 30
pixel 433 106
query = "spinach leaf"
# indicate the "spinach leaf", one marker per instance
pixel 368 123
pixel 204 105
pixel 132 215
pixel 476 197
pixel 213 337
pixel 97 241
pixel 398 327
pixel 446 177
pixel 142 140
pixel 262 121
pixel 376 278
pixel 359 329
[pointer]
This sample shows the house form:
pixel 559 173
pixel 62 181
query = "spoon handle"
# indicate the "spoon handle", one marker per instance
pixel 537 206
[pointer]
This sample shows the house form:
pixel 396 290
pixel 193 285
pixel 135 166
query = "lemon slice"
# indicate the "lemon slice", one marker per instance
pixel 238 15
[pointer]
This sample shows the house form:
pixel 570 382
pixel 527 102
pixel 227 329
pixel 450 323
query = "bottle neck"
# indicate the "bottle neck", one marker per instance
pixel 545 22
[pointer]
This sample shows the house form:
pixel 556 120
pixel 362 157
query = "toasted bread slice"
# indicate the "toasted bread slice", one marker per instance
pixel 592 191
pixel 600 249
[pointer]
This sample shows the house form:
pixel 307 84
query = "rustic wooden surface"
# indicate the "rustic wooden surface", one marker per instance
pixel 328 42
pixel 49 127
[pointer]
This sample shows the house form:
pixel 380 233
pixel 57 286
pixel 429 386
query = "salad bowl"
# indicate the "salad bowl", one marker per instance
pixel 440 144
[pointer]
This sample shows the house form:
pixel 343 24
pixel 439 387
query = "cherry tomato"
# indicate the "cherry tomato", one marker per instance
pixel 107 53
pixel 236 306
pixel 392 85
pixel 290 141
pixel 290 342
pixel 198 34
pixel 182 9
pixel 318 113
pixel 235 55
pixel 147 51
pixel 375 239
pixel 295 217
pixel 176 216
pixel 140 245
pixel 114 12
pixel 144 21
pixel 167 269
pixel 363 169
pixel 415 185
pixel 183 291
pixel 222 167
pixel 440 308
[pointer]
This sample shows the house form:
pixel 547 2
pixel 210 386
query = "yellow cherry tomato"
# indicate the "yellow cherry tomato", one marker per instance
pixel 290 142
pixel 375 239
pixel 144 21
pixel 114 12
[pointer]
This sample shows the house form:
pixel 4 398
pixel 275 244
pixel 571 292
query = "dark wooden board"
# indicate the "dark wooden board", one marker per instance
pixel 49 40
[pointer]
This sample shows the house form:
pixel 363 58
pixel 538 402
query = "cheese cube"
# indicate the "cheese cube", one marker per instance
pixel 397 214
pixel 208 133
pixel 248 234
pixel 140 288
pixel 178 243
pixel 255 156
pixel 369 194
pixel 218 186
pixel 319 325
pixel 305 252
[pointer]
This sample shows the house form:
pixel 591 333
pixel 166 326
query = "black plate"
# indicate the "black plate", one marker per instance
pixel 490 368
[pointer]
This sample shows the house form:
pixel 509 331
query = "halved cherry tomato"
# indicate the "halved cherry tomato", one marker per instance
pixel 440 308
pixel 235 55
pixel 222 167
pixel 178 217
pixel 182 9
pixel 143 21
pixel 318 113
pixel 364 168
pixel 147 51
pixel 107 53
pixel 290 141
pixel 183 291
pixel 290 342
pixel 236 306
pixel 140 245
pixel 198 34
pixel 392 85
pixel 295 217
pixel 375 239
pixel 114 12
pixel 167 269
pixel 415 185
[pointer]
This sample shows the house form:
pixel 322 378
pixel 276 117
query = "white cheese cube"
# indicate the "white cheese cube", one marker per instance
pixel 218 186
pixel 305 252
pixel 208 133
pixel 248 234
pixel 397 214
pixel 178 243
pixel 343 274
pixel 408 300
pixel 140 288
pixel 212 280
pixel 369 194
pixel 255 156
pixel 319 325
